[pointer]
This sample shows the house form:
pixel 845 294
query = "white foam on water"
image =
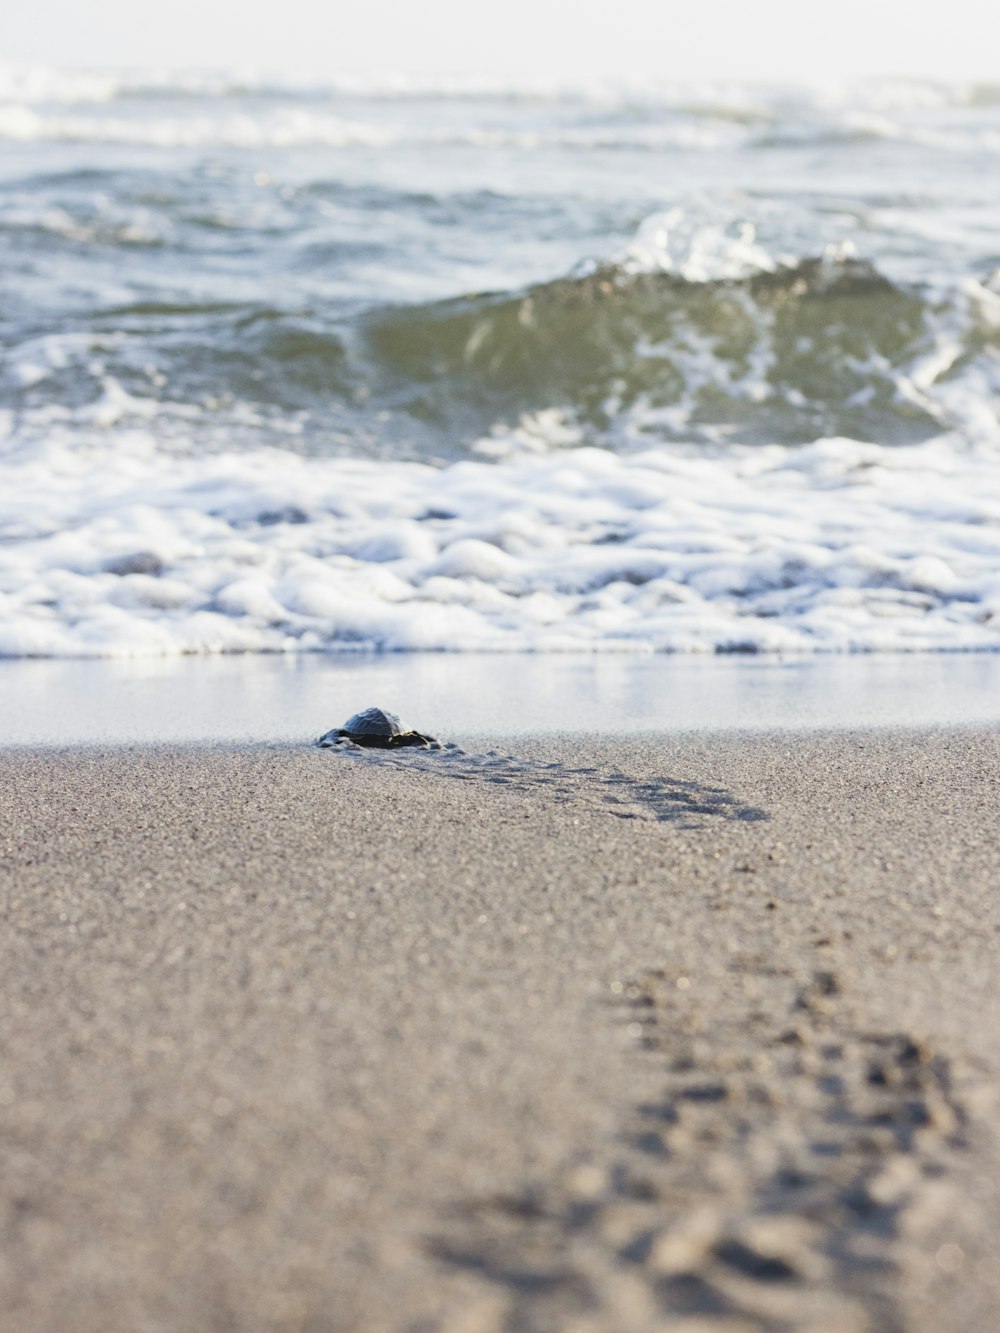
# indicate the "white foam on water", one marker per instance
pixel 111 547
pixel 299 127
pixel 254 109
pixel 292 126
pixel 685 242
pixel 50 84
pixel 285 128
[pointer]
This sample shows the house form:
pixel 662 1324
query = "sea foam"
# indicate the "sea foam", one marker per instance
pixel 836 546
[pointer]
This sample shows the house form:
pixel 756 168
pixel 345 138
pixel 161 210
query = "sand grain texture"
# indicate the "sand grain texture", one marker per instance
pixel 693 1032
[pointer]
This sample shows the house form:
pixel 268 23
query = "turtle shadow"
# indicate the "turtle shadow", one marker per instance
pixel 666 799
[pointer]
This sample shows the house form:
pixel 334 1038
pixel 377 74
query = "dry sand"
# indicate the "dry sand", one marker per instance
pixel 690 1033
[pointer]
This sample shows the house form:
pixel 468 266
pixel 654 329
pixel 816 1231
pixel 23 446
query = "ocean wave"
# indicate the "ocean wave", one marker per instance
pixel 246 109
pixel 725 98
pixel 291 126
pixel 710 337
pixel 838 546
pixel 770 352
pixel 303 127
pixel 285 128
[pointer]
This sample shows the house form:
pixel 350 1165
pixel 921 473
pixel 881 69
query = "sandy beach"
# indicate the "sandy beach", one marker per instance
pixel 690 1032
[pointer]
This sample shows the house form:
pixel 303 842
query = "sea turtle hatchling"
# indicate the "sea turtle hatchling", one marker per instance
pixel 377 729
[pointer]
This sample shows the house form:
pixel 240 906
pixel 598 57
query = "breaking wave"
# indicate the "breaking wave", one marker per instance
pixel 786 353
pixel 39 84
pixel 248 110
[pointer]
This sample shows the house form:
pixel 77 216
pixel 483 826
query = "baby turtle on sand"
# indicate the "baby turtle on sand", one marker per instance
pixel 378 729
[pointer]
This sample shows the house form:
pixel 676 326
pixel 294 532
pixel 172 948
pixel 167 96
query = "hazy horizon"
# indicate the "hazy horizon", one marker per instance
pixel 777 41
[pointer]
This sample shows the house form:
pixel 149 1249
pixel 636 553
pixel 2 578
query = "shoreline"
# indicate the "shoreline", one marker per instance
pixel 294 698
pixel 692 1026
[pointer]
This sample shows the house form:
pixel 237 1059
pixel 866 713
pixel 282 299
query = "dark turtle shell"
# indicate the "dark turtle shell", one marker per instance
pixel 377 729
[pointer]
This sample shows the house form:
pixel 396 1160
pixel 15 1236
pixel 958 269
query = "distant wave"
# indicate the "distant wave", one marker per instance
pixel 286 128
pixel 301 123
pixel 249 109
pixel 290 126
pixel 39 84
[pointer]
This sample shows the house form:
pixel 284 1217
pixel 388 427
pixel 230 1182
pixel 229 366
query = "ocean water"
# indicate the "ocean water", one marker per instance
pixel 462 367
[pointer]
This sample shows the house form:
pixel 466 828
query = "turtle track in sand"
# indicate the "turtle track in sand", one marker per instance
pixel 790 1168
pixel 665 799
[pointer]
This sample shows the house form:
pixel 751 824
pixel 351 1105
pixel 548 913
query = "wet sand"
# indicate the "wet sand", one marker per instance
pixel 695 1032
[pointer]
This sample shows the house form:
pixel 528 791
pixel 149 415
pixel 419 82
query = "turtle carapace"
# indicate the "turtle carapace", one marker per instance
pixel 377 729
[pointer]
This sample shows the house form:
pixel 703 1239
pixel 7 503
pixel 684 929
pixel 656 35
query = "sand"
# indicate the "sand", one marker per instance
pixel 692 1032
